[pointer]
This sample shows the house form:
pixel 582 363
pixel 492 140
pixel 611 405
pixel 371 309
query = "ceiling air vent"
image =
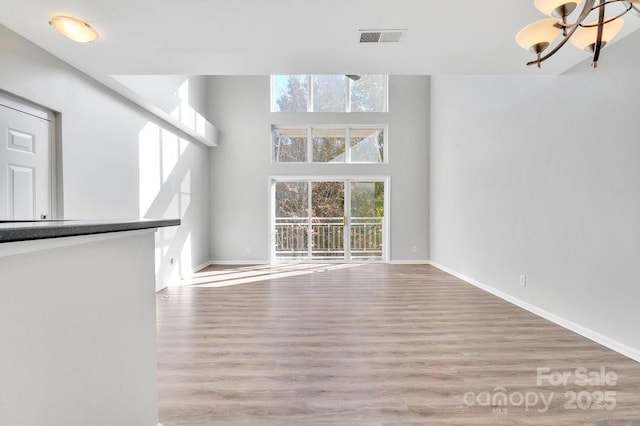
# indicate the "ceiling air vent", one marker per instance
pixel 382 36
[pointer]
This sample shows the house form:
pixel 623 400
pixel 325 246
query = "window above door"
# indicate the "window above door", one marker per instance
pixel 329 93
pixel 365 144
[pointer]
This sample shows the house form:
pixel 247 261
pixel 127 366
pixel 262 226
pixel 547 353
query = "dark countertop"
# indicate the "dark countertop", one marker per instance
pixel 11 231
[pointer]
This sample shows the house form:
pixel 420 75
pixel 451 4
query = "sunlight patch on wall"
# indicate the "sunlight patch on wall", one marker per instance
pixel 185 193
pixel 186 114
pixel 150 174
pixel 165 192
pixel 168 97
pixel 160 152
pixel 170 153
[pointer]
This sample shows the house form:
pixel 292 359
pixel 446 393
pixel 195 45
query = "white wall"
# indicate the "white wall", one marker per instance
pixel 541 176
pixel 107 147
pixel 241 164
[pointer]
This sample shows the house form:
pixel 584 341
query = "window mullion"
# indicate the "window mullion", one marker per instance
pixel 386 93
pixel 310 220
pixel 347 220
pixel 309 144
pixel 310 93
pixel 347 107
pixel 347 145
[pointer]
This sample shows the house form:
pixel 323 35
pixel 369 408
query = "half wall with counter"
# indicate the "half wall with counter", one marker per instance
pixel 77 323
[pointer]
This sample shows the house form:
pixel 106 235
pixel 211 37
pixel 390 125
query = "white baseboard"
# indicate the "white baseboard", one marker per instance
pixel 601 339
pixel 200 267
pixel 268 262
pixel 238 262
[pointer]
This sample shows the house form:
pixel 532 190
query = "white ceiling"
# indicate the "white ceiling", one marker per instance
pixel 245 37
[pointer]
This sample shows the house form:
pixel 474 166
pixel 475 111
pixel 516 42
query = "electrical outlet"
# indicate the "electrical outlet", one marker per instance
pixel 414 249
pixel 248 249
pixel 523 280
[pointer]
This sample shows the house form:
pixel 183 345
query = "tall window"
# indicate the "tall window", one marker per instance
pixel 328 93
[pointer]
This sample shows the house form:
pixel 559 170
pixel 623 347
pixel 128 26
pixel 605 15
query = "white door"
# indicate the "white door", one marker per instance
pixel 25 164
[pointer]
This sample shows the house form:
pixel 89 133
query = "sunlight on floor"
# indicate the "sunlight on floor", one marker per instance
pixel 234 275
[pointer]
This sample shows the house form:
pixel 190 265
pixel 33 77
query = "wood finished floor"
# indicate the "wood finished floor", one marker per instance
pixel 369 345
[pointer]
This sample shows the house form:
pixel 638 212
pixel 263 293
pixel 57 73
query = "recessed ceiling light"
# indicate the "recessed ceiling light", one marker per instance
pixel 74 29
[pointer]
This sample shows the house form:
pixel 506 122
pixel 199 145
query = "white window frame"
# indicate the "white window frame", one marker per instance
pixel 347 150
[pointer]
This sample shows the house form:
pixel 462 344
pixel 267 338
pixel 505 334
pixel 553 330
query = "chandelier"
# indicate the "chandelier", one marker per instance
pixel 592 29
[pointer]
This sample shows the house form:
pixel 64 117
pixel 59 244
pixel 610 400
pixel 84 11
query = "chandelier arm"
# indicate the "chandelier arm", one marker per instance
pixel 598 47
pixel 601 5
pixel 634 8
pixel 610 19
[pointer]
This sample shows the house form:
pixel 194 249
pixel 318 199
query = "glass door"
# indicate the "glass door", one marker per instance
pixel 292 224
pixel 329 220
pixel 366 220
